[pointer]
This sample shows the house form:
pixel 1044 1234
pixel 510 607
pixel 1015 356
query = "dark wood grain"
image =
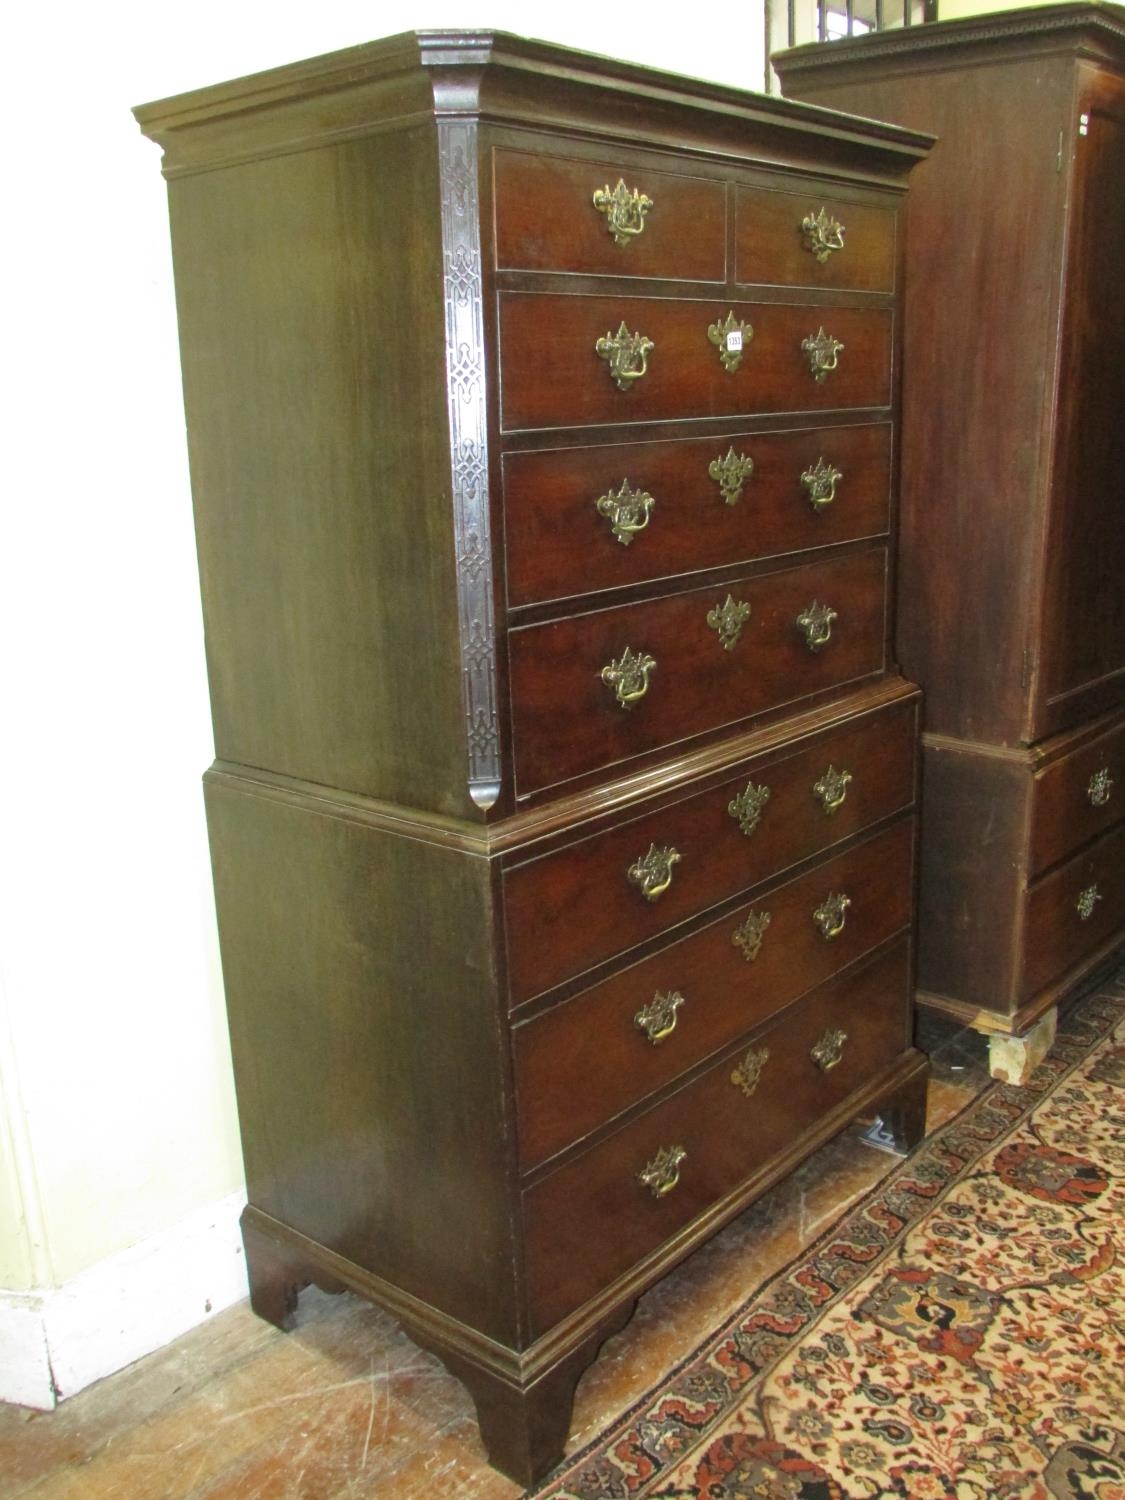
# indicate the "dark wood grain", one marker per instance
pixel 558 544
pixel 1058 937
pixel 770 245
pixel 554 378
pixel 586 1059
pixel 589 1221
pixel 567 720
pixel 575 907
pixel 1064 812
pixel 546 219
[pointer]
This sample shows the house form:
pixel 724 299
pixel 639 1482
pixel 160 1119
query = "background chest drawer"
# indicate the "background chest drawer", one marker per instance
pixel 582 519
pixel 811 239
pixel 554 376
pixel 583 696
pixel 1075 909
pixel 595 1055
pixel 559 213
pixel 592 1219
pixel 1076 797
pixel 578 906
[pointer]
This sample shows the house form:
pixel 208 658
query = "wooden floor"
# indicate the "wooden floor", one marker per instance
pixel 345 1406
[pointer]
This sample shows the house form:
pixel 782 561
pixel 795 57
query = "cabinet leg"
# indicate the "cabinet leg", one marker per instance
pixel 1013 1059
pixel 275 1276
pixel 900 1124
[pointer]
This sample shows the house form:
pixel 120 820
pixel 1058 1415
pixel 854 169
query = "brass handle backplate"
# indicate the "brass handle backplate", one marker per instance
pixel 624 208
pixel 662 1173
pixel 815 623
pixel 748 806
pixel 657 1020
pixel 730 338
pixel 652 873
pixel 820 481
pixel 828 1049
pixel 628 675
pixel 1101 785
pixel 1086 902
pixel 831 915
pixel 832 788
pixel 728 619
pixel 627 510
pixel 747 937
pixel 749 1071
pixel 626 354
pixel 822 234
pixel 730 473
pixel 823 354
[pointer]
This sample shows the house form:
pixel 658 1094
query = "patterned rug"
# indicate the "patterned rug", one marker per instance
pixel 959 1335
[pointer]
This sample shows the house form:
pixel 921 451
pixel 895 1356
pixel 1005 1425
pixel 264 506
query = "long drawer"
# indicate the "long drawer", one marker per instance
pixel 578 905
pixel 561 369
pixel 581 519
pixel 1076 797
pixel 585 1061
pixel 591 1220
pixel 563 213
pixel 593 689
pixel 1071 912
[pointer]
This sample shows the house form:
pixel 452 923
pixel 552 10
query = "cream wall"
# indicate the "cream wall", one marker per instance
pixel 952 10
pixel 116 1116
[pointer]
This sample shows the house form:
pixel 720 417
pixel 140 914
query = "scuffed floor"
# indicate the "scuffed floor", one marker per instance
pixel 346 1406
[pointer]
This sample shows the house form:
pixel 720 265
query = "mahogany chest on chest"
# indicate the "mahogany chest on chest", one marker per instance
pixel 1012 612
pixel 542 416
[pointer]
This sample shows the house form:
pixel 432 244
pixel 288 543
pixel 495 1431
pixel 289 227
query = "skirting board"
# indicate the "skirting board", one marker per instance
pixel 55 1342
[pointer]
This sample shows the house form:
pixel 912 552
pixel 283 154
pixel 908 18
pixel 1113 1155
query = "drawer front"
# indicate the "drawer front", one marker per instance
pixel 554 376
pixel 588 1059
pixel 1077 797
pixel 590 1221
pixel 582 519
pixel 557 213
pixel 1073 911
pixel 595 689
pixel 812 239
pixel 576 907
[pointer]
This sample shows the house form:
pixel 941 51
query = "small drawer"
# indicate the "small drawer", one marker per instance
pixel 1073 911
pixel 592 690
pixel 813 240
pixel 582 519
pixel 576 360
pixel 588 1059
pixel 607 218
pixel 1076 797
pixel 578 906
pixel 592 1219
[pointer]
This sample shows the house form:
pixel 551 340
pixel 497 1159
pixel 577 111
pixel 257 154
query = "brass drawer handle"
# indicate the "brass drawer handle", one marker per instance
pixel 1086 902
pixel 815 622
pixel 658 1018
pixel 628 676
pixel 748 806
pixel 831 915
pixel 627 355
pixel 730 473
pixel 821 481
pixel 662 1173
pixel 832 788
pixel 624 210
pixel 823 354
pixel 749 935
pixel 823 234
pixel 652 873
pixel 828 1049
pixel 1101 785
pixel 730 338
pixel 728 619
pixel 749 1071
pixel 627 510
